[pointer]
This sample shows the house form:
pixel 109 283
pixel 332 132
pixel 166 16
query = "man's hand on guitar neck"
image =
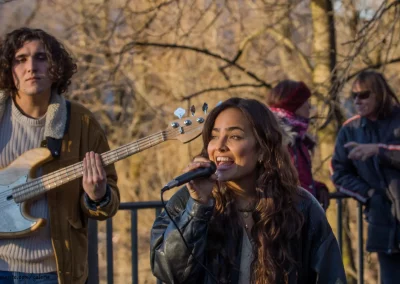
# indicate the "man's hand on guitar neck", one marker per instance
pixel 94 177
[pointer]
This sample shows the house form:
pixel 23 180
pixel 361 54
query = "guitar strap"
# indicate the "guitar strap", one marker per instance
pixel 53 144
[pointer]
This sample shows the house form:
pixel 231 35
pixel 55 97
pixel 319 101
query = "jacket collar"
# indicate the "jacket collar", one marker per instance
pixel 364 122
pixel 56 116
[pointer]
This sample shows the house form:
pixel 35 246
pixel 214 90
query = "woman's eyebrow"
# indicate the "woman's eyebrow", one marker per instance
pixel 228 129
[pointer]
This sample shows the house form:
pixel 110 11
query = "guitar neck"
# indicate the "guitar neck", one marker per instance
pixel 55 179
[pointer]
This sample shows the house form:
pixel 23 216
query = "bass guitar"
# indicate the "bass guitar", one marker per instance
pixel 17 187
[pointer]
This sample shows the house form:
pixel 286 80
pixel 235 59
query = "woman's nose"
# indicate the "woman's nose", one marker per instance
pixel 221 146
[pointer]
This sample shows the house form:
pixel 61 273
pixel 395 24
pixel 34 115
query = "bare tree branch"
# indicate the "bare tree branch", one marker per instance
pixel 5 1
pixel 153 9
pixel 244 43
pixel 376 66
pixel 197 22
pixel 32 15
pixel 195 49
pixel 305 62
pixel 374 20
pixel 216 89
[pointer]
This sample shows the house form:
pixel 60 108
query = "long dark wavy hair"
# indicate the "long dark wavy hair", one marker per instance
pixel 277 220
pixel 61 64
pixel 376 83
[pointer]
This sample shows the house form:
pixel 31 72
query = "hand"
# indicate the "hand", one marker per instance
pixel 323 198
pixel 94 177
pixel 200 189
pixel 361 151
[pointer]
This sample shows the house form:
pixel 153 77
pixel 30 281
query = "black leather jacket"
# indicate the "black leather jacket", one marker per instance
pixel 316 252
pixel 380 172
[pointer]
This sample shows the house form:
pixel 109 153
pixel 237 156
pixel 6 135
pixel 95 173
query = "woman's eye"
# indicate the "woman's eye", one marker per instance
pixel 213 137
pixel 236 137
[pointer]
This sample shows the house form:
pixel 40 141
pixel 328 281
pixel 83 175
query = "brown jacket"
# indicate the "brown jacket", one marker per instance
pixel 68 213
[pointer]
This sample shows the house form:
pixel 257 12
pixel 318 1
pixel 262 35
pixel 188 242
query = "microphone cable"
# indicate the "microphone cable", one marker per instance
pixel 183 238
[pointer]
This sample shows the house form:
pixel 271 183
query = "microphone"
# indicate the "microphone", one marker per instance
pixel 195 174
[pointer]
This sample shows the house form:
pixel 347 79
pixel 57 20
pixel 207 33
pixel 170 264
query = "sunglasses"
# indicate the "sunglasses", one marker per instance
pixel 361 95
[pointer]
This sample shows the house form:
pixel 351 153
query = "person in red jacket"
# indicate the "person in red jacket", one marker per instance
pixel 290 102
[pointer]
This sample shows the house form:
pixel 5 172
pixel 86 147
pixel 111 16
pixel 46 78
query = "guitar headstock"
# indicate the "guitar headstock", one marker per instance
pixel 186 129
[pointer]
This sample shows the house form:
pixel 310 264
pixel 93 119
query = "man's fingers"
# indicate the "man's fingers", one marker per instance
pixel 366 155
pixel 92 167
pixel 84 168
pixel 351 144
pixel 89 166
pixel 355 154
pixel 99 167
pixel 353 151
pixel 93 170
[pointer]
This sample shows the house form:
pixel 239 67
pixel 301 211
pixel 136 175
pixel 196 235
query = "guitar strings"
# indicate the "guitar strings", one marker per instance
pixel 49 178
pixel 106 156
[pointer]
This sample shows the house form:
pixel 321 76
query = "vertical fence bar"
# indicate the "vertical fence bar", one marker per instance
pixel 134 248
pixel 93 256
pixel 339 223
pixel 110 263
pixel 360 244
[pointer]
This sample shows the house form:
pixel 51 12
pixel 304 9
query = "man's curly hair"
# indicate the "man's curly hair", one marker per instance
pixel 61 64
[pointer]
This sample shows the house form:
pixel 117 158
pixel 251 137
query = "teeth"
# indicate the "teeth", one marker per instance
pixel 223 159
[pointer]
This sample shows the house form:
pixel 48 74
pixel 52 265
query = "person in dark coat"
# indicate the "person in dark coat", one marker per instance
pixel 249 222
pixel 290 102
pixel 366 166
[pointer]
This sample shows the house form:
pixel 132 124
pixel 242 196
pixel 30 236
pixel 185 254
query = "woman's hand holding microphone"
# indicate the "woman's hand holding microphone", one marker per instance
pixel 200 189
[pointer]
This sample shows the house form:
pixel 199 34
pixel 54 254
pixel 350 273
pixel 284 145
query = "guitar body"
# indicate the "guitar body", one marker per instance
pixel 15 220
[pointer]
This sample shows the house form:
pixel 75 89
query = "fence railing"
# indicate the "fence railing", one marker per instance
pixel 360 242
pixel 134 207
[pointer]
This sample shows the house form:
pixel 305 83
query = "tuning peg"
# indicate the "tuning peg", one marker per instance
pixel 220 102
pixel 192 110
pixel 179 112
pixel 205 107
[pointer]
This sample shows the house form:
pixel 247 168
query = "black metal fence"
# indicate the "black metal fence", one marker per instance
pixel 134 207
pixel 360 242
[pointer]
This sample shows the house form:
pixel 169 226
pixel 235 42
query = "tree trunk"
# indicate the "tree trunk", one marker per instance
pixel 324 59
